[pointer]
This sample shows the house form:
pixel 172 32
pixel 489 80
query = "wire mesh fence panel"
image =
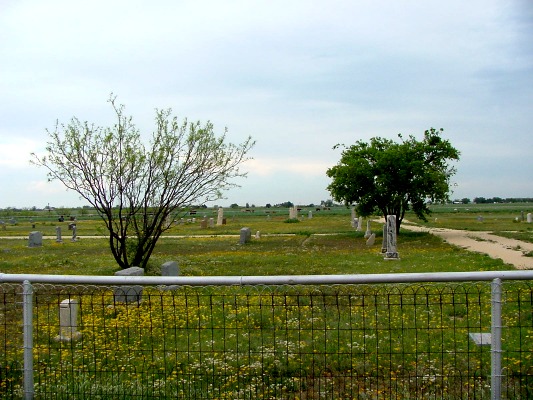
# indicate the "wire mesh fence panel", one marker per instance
pixel 284 342
pixel 517 340
pixel 11 375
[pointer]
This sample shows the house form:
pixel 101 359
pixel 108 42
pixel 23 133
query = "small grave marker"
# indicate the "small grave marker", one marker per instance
pixel 246 235
pixel 170 268
pixel 74 233
pixel 128 294
pixel 371 239
pixel 68 321
pixel 368 230
pixel 481 339
pixel 35 239
pixel 360 224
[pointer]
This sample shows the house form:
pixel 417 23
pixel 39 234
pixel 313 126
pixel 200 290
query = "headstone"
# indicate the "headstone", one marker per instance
pixel 68 321
pixel 355 223
pixel 293 212
pixel 384 242
pixel 203 224
pixel 481 339
pixel 246 235
pixel 529 218
pixel 128 294
pixel 368 230
pixel 35 239
pixel 170 268
pixel 58 234
pixel 391 253
pixel 310 215
pixel 74 233
pixel 258 235
pixel 371 240
pixel 211 223
pixel 220 216
pixel 360 224
pixel 354 215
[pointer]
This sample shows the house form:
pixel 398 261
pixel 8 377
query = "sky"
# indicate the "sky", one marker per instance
pixel 297 76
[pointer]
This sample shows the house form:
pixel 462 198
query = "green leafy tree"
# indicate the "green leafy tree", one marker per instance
pixel 138 188
pixel 393 177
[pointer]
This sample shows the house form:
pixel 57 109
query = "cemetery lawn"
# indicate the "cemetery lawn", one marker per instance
pixel 324 244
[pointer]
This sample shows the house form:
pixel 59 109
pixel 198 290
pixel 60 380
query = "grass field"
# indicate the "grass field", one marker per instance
pixel 324 244
pixel 228 342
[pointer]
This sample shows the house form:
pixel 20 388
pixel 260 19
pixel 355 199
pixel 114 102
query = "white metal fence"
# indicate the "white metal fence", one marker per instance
pixel 431 335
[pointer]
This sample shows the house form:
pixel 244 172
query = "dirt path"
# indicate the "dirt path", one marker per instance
pixel 511 251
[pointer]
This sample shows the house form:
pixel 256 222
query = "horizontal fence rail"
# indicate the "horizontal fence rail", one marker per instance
pixel 399 336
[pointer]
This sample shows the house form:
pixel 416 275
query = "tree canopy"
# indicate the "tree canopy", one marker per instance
pixel 137 188
pixel 393 177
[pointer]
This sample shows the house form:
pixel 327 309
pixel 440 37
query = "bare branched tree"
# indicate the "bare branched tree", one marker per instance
pixel 135 188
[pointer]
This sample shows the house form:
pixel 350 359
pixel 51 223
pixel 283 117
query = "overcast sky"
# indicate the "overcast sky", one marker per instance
pixel 298 76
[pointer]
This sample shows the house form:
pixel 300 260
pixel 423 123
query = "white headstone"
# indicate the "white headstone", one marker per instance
pixel 258 235
pixel 368 231
pixel 211 222
pixel 74 231
pixel 68 321
pixel 360 224
pixel 220 216
pixel 529 218
pixel 310 215
pixel 58 234
pixel 293 212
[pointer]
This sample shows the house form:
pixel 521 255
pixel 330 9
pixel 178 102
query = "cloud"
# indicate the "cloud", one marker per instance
pixel 298 76
pixel 15 152
pixel 264 166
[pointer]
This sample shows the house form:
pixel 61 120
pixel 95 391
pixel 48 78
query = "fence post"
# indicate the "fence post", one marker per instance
pixel 496 339
pixel 27 311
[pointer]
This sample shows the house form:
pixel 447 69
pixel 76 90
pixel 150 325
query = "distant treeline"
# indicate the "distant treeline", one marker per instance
pixel 483 200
